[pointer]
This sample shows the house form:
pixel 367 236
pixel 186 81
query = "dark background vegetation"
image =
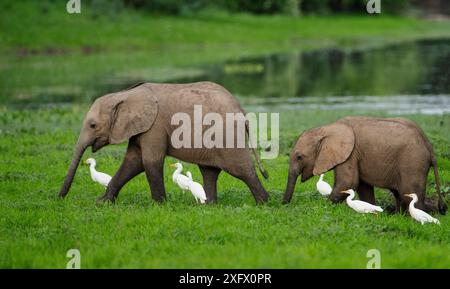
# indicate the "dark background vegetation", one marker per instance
pixel 290 7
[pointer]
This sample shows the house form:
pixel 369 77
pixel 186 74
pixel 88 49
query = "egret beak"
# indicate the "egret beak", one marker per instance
pixel 173 165
pixel 344 192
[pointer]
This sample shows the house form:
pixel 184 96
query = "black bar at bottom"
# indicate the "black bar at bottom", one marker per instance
pixel 218 278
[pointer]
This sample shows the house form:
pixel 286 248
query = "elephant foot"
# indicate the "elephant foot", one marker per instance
pixel 434 206
pixel 262 197
pixel 159 199
pixel 105 199
pixel 392 209
pixel 210 201
pixel 337 198
pixel 262 201
pixel 443 208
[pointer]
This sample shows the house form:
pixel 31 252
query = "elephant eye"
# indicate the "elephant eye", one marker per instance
pixel 92 125
pixel 299 157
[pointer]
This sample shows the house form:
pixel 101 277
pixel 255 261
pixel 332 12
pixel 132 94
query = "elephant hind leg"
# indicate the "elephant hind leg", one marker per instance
pixel 210 175
pixel 365 192
pixel 430 205
pixel 412 184
pixel 421 204
pixel 255 186
pixel 246 173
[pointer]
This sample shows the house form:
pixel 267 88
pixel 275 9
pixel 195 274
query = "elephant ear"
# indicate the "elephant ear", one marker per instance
pixel 337 141
pixel 133 112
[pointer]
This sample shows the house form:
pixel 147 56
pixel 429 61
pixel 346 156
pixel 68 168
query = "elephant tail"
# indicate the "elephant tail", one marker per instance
pixel 441 203
pixel 255 153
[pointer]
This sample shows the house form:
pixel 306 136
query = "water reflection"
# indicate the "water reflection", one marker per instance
pixel 406 69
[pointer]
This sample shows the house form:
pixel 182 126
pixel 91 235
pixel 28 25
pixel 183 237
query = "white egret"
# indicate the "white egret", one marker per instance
pixel 178 178
pixel 323 187
pixel 419 215
pixel 197 191
pixel 360 206
pixel 96 176
pixel 187 183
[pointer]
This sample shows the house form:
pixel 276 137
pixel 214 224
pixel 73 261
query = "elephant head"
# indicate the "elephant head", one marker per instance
pixel 113 119
pixel 317 151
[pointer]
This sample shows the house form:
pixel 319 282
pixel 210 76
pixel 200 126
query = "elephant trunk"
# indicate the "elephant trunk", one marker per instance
pixel 292 179
pixel 79 150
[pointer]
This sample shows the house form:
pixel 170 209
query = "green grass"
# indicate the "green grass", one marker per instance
pixel 37 229
pixel 130 29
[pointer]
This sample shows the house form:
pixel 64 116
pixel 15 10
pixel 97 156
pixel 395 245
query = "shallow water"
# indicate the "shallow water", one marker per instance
pixel 411 77
pixel 398 105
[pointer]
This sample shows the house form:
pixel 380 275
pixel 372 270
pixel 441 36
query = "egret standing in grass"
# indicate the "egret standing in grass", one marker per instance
pixel 323 187
pixel 178 178
pixel 197 191
pixel 187 183
pixel 360 206
pixel 419 215
pixel 98 177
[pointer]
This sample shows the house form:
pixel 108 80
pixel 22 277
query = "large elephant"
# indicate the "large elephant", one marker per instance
pixel 142 116
pixel 390 153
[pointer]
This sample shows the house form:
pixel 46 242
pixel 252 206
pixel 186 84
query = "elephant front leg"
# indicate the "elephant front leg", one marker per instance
pixel 154 171
pixel 210 175
pixel 345 177
pixel 398 203
pixel 365 192
pixel 337 196
pixel 131 166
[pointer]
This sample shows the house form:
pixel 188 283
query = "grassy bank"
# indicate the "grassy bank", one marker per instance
pixel 37 229
pixel 49 28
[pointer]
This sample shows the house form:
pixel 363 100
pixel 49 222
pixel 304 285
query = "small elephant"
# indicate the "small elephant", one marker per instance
pixel 142 116
pixel 368 152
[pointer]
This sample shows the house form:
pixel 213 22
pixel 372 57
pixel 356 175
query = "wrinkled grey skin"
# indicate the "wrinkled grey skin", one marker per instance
pixel 366 152
pixel 142 116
